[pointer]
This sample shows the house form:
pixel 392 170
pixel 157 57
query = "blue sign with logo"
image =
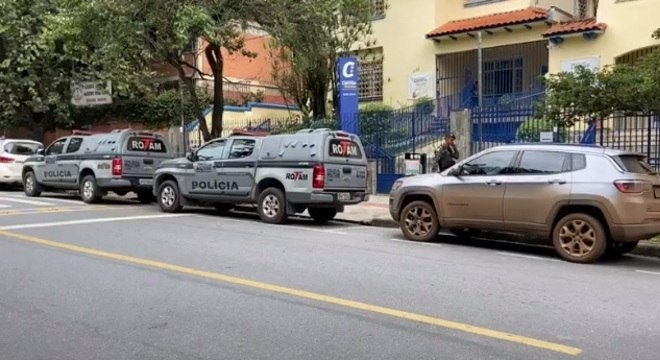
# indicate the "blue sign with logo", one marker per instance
pixel 347 69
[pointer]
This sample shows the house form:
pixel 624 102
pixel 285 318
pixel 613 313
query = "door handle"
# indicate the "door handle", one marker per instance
pixel 493 182
pixel 557 181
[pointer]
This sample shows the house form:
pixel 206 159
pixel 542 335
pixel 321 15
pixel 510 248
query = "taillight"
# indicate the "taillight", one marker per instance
pixel 318 178
pixel 6 160
pixel 631 186
pixel 117 167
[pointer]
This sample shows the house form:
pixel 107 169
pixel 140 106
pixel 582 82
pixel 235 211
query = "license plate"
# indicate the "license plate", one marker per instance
pixel 344 196
pixel 146 181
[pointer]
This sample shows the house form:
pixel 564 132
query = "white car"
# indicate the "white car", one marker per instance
pixel 13 153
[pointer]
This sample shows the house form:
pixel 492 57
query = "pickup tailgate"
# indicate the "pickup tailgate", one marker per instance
pixel 345 167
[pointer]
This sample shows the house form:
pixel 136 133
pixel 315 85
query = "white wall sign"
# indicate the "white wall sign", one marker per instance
pixel 412 167
pixel 91 93
pixel 420 85
pixel 591 63
pixel 546 136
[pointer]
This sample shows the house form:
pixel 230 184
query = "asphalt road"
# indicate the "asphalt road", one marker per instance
pixel 124 281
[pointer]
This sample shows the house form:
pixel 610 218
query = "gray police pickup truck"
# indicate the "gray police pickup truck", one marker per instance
pixel 119 161
pixel 318 170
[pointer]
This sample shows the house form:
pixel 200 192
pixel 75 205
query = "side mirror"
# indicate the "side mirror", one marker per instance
pixel 40 151
pixel 191 156
pixel 456 172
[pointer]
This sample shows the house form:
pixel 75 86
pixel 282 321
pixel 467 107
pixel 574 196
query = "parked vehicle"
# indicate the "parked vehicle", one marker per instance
pixel 585 200
pixel 13 152
pixel 316 170
pixel 120 161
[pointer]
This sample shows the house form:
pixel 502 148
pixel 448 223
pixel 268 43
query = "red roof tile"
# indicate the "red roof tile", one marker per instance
pixel 572 27
pixel 514 17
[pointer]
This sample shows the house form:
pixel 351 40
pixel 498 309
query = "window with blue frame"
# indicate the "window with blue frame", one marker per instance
pixel 503 77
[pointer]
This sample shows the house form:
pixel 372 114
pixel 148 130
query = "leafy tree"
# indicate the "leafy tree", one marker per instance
pixel 584 94
pixel 138 33
pixel 36 67
pixel 310 35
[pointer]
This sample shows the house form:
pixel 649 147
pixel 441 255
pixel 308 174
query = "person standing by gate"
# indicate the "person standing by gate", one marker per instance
pixel 447 154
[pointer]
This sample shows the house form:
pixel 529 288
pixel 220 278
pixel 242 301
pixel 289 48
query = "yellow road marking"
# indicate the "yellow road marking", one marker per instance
pixel 447 324
pixel 53 210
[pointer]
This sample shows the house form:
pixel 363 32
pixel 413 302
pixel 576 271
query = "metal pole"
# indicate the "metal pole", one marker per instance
pixel 183 121
pixel 480 84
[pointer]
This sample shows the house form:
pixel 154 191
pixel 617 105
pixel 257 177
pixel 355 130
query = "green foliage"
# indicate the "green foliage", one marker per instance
pixel 129 36
pixel 309 37
pixel 157 111
pixel 36 66
pixel 376 118
pixel 530 130
pixel 584 94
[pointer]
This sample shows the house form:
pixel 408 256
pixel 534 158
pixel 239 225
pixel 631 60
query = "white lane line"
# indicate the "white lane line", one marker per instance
pixel 90 221
pixel 526 256
pixel 25 201
pixel 4 206
pixel 648 272
pixel 410 242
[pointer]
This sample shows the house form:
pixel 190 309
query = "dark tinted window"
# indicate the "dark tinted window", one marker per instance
pixel 241 148
pixel 579 162
pixel 21 148
pixel 56 148
pixel 634 164
pixel 74 145
pixel 494 163
pixel 344 148
pixel 542 162
pixel 146 144
pixel 211 151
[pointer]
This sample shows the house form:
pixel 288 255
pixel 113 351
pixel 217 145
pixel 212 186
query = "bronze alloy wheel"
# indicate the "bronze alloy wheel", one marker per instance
pixel 580 238
pixel 419 221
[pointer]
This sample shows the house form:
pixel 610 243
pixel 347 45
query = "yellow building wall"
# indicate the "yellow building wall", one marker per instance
pixel 406 51
pixel 629 27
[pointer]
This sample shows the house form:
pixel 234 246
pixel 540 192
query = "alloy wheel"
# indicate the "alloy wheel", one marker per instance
pixel 577 238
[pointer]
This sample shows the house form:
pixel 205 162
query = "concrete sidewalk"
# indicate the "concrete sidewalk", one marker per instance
pixel 375 213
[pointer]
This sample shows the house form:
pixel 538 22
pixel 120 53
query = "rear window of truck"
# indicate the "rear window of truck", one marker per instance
pixel 634 164
pixel 146 144
pixel 22 148
pixel 344 148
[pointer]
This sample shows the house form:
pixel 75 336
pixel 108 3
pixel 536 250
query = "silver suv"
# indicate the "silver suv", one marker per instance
pixel 585 200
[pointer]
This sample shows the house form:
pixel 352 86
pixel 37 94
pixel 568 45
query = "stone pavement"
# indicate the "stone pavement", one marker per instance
pixel 375 213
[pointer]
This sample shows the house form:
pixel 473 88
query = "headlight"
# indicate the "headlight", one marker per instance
pixel 397 184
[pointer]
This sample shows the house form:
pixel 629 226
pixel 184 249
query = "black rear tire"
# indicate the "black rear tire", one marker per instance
pixel 322 215
pixel 272 206
pixel 30 185
pixel 169 197
pixel 89 190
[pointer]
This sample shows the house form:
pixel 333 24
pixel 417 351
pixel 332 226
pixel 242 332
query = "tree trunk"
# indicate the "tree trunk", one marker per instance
pixel 192 90
pixel 318 88
pixel 216 61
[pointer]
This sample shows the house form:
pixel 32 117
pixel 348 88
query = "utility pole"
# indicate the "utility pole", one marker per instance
pixel 480 84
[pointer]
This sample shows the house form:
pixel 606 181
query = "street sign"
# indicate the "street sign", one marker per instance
pixel 547 136
pixel 92 93
pixel 347 69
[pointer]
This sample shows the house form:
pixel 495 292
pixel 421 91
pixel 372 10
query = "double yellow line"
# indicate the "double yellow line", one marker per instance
pixel 400 314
